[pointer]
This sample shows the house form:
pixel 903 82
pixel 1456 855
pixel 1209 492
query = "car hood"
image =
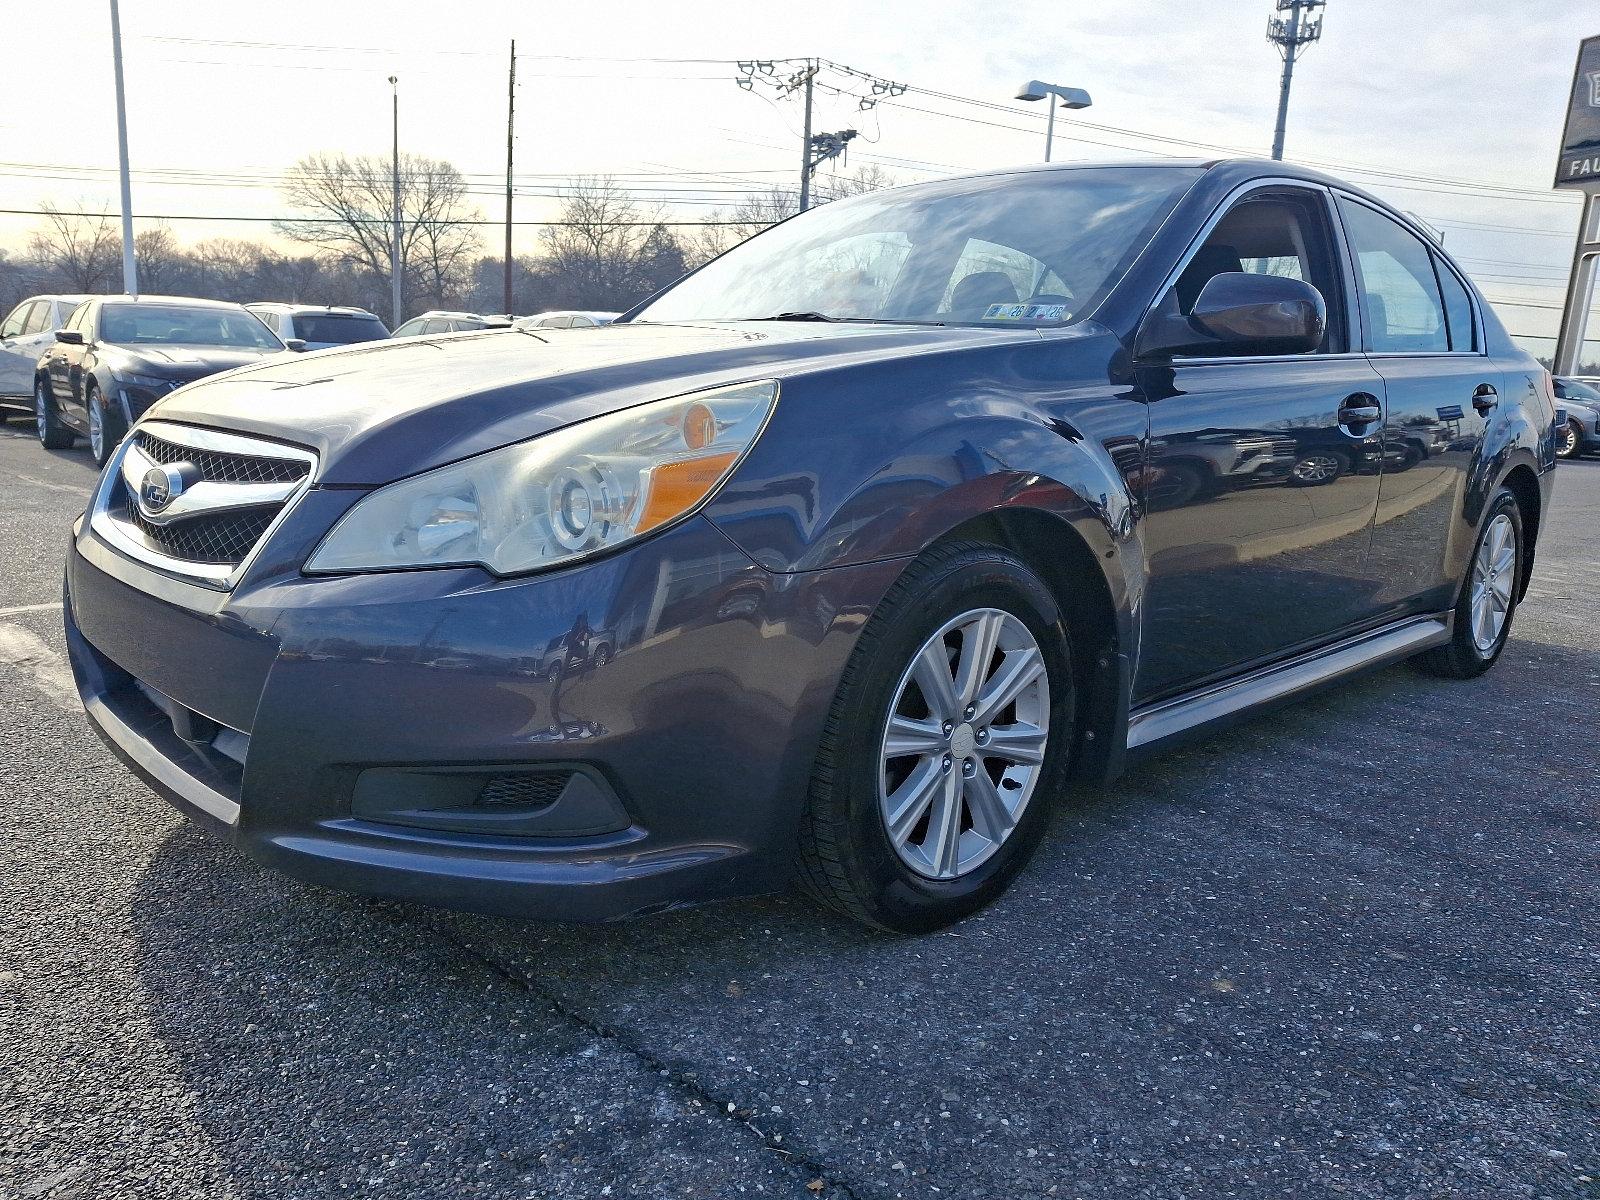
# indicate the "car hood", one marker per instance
pixel 182 363
pixel 378 411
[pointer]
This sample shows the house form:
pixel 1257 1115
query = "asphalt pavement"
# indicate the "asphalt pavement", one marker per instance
pixel 1350 949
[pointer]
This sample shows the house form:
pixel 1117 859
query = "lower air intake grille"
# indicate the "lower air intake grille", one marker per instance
pixel 523 791
pixel 223 538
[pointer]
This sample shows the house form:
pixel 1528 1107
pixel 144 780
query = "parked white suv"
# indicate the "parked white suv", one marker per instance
pixel 318 326
pixel 27 332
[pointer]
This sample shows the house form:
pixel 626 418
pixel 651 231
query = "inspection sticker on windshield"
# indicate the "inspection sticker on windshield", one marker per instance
pixel 1026 312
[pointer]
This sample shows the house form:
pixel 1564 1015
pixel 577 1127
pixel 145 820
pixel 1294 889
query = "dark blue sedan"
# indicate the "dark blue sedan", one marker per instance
pixel 833 563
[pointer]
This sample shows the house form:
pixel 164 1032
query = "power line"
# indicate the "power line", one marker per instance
pixel 109 216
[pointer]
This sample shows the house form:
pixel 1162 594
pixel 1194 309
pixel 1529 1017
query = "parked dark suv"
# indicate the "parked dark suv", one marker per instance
pixel 861 515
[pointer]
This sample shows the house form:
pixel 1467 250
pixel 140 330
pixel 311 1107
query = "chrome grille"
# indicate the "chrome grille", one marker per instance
pixel 220 466
pixel 197 502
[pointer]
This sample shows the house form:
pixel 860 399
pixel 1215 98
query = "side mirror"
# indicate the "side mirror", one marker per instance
pixel 295 343
pixel 1238 313
pixel 70 337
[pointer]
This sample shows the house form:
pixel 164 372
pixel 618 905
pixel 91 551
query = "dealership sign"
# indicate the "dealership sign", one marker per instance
pixel 1579 165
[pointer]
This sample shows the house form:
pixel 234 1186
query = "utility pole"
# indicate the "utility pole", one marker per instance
pixel 805 140
pixel 394 232
pixel 511 119
pixel 1288 35
pixel 866 89
pixel 130 270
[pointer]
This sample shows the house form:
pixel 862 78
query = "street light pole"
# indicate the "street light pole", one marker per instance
pixel 1070 97
pixel 130 269
pixel 394 239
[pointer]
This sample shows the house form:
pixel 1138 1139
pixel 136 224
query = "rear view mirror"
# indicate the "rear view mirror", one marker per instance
pixel 1238 313
pixel 295 343
pixel 70 337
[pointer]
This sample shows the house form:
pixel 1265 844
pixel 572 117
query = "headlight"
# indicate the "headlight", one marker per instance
pixel 559 497
pixel 150 383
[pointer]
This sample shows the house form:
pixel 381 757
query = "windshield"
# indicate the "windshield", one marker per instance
pixel 338 327
pixel 173 324
pixel 1040 248
pixel 1571 389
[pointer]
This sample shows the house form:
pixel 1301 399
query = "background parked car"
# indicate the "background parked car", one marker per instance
pixel 25 334
pixel 1581 402
pixel 442 321
pixel 118 355
pixel 318 326
pixel 570 318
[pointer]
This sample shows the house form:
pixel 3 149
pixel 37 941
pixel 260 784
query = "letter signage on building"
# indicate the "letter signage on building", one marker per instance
pixel 1579 165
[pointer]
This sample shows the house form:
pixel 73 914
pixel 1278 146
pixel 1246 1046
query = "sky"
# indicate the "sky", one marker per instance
pixel 1449 110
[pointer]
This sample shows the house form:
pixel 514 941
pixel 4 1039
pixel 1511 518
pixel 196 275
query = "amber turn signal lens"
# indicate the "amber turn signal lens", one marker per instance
pixel 699 427
pixel 676 487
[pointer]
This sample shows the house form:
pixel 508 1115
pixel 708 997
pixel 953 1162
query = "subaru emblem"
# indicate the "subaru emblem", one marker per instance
pixel 159 488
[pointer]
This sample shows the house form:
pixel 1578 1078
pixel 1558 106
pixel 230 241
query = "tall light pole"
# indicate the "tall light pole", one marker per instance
pixel 130 270
pixel 394 238
pixel 1070 97
pixel 511 124
pixel 1288 34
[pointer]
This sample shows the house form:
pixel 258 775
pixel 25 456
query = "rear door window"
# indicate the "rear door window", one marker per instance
pixel 1399 291
pixel 38 318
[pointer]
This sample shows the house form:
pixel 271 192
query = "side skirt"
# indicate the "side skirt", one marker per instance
pixel 1171 719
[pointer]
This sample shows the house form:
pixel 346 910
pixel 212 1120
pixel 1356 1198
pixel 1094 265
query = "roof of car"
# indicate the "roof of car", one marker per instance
pixel 343 310
pixel 191 301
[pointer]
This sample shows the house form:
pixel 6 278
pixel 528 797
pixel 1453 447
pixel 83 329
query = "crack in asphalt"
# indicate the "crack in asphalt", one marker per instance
pixel 792 1154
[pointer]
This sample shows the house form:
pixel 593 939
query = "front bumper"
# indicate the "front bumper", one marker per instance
pixel 288 713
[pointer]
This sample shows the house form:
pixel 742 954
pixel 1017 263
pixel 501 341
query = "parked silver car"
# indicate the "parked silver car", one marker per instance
pixel 566 318
pixel 444 321
pixel 27 332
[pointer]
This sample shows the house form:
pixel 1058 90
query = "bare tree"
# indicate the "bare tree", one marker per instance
pixel 608 252
pixel 160 262
pixel 764 209
pixel 348 205
pixel 81 249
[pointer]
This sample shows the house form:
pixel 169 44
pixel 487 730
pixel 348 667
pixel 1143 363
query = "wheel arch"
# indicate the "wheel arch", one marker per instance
pixel 1524 486
pixel 1097 616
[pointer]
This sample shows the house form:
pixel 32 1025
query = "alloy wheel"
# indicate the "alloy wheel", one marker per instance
pixel 1316 468
pixel 1567 441
pixel 1493 574
pixel 41 418
pixel 963 744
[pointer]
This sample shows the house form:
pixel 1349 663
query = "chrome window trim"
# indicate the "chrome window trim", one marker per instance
pixel 219 577
pixel 1225 206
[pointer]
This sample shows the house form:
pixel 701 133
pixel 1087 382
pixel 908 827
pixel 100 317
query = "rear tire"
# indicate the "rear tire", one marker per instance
pixel 1488 599
pixel 1569 442
pixel 855 855
pixel 53 435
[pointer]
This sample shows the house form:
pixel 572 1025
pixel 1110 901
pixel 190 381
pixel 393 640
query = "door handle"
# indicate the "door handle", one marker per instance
pixel 1359 409
pixel 1485 398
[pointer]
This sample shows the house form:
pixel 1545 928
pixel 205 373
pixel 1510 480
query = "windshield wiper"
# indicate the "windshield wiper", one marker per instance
pixel 798 316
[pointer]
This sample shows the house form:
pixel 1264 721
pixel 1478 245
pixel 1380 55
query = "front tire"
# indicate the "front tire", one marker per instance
pixel 945 747
pixel 53 435
pixel 1488 597
pixel 105 427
